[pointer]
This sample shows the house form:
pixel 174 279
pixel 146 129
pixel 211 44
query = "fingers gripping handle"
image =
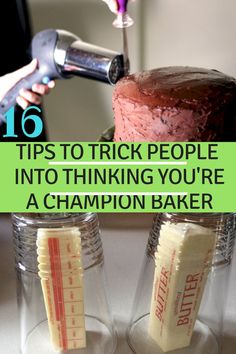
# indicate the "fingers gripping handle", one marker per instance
pixel 25 83
pixel 43 46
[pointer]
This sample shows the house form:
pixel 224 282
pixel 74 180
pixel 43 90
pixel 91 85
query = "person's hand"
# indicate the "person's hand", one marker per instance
pixel 26 97
pixel 112 5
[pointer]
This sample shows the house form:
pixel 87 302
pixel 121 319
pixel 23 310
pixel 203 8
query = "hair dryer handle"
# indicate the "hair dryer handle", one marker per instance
pixel 43 46
pixel 25 83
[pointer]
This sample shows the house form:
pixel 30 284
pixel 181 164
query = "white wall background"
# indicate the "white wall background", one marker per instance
pixel 191 32
pixel 166 32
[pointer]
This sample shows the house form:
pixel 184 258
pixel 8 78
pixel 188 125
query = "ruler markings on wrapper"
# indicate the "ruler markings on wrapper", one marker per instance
pixel 54 254
pixel 60 270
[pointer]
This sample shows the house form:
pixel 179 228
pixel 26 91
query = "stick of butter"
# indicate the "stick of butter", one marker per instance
pixel 183 260
pixel 61 273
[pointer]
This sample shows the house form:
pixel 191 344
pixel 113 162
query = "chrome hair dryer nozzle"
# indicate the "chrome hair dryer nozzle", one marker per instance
pixel 61 55
pixel 75 57
pixel 90 61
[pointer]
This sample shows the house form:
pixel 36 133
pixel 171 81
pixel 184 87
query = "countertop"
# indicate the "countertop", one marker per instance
pixel 124 239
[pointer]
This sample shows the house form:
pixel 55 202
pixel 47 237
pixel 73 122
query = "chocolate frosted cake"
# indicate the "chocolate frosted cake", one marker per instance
pixel 175 104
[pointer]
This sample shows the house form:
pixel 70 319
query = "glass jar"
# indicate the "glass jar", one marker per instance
pixel 51 288
pixel 179 302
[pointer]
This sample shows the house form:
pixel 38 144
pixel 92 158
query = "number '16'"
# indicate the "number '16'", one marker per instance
pixel 10 123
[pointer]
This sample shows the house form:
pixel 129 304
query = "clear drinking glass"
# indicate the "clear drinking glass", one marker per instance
pixel 34 329
pixel 207 332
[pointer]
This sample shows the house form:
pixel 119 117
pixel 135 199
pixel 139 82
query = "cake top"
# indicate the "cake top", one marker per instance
pixel 177 87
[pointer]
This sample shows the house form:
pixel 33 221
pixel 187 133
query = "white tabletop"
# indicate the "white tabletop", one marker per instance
pixel 124 240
